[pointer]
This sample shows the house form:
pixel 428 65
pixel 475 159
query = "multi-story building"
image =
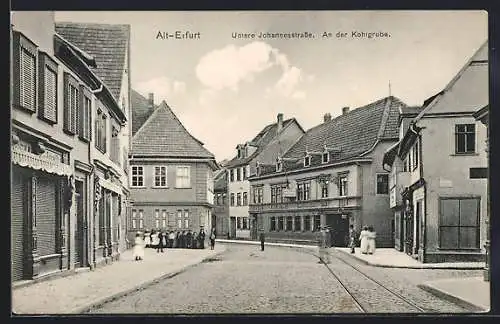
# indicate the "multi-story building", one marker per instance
pixel 221 209
pixel 106 49
pixel 444 195
pixel 332 176
pixel 54 94
pixel 264 148
pixel 171 175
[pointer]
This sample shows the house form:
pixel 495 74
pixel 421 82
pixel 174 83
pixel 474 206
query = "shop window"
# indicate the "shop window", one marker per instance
pixel 459 223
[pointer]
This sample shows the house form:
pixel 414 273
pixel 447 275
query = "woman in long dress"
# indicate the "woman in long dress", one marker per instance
pixel 147 239
pixel 138 247
pixel 371 240
pixel 363 238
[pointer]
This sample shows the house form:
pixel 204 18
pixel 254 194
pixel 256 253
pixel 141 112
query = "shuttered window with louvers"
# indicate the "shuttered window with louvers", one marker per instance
pixel 28 79
pixel 71 90
pixel 46 215
pixel 84 113
pixel 47 99
pixel 25 56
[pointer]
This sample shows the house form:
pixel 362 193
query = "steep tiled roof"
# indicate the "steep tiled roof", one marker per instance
pixel 164 135
pixel 107 43
pixel 347 136
pixel 140 110
pixel 220 180
pixel 264 137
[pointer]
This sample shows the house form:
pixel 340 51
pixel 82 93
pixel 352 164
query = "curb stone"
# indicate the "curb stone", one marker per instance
pixel 411 266
pixel 107 299
pixel 452 298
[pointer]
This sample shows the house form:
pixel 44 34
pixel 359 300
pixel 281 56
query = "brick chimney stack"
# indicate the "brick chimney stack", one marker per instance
pixel 327 117
pixel 345 110
pixel 280 122
pixel 151 102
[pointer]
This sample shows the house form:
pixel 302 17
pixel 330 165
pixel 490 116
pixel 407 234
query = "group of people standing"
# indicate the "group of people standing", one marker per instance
pixel 169 239
pixel 366 238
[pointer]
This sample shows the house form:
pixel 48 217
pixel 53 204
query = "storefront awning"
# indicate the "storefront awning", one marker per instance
pixel 36 162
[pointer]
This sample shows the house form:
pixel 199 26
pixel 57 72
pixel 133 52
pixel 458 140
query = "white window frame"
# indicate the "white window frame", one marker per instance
pixel 134 222
pixel 186 218
pixel 307 158
pixel 342 192
pixel 376 184
pixel 179 218
pixel 137 176
pixel 164 218
pixel 160 176
pixel 141 218
pixel 157 218
pixel 279 165
pixel 327 157
pixel 183 181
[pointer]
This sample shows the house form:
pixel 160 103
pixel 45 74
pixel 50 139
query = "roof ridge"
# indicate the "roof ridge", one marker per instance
pixel 385 117
pixel 148 120
pixel 90 24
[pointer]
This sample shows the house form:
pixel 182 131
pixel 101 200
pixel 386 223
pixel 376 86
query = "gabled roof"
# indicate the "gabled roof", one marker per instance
pixel 140 110
pixel 107 44
pixel 347 136
pixel 164 135
pixel 466 91
pixel 220 180
pixel 263 138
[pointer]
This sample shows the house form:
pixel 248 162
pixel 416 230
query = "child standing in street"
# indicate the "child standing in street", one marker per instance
pixel 212 238
pixel 138 247
pixel 352 238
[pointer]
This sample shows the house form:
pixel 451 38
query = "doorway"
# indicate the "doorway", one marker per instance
pixel 418 210
pixel 339 229
pixel 232 227
pixel 80 258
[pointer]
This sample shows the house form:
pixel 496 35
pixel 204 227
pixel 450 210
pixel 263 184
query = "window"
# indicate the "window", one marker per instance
pixel 114 154
pixel 303 191
pixel 257 195
pixel 415 156
pixel 465 138
pixel 179 219
pixel 289 223
pixel 307 161
pixel 277 193
pixel 232 199
pixel 325 157
pixel 324 190
pixel 25 55
pixel 238 199
pixel 47 89
pixel 238 174
pixel 244 171
pixel 186 218
pixel 134 221
pixel 223 198
pixel 141 218
pixel 231 175
pixel 459 223
pixel 137 176
pixel 307 223
pixel 183 179
pixel 238 223
pixel 245 222
pixel 100 131
pixel 272 224
pixel 245 199
pixel 164 218
pixel 279 166
pixel 297 224
pixel 280 223
pixel 71 100
pixel 160 176
pixel 342 185
pixel 317 222
pixel 84 115
pixel 157 218
pixel 382 184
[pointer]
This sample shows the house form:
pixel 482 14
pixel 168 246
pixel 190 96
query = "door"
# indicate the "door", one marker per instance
pixel 80 230
pixel 19 208
pixel 339 229
pixel 408 233
pixel 418 209
pixel 233 227
pixel 253 226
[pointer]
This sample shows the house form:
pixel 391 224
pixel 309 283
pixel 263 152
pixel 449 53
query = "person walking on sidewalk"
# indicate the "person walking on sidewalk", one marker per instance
pixel 352 238
pixel 147 239
pixel 363 238
pixel 262 239
pixel 189 239
pixel 196 241
pixel 159 246
pixel 371 240
pixel 212 238
pixel 201 237
pixel 138 247
pixel 171 238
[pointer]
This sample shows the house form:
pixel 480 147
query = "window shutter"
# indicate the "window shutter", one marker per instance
pixel 28 81
pixel 50 95
pixel 67 102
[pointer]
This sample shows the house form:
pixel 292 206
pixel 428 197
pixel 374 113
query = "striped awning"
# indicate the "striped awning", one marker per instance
pixel 38 162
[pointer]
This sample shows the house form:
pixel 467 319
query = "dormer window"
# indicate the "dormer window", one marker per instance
pixel 239 154
pixel 307 160
pixel 279 165
pixel 325 157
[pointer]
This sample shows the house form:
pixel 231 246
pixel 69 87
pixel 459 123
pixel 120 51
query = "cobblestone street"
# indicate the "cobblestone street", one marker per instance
pixel 285 280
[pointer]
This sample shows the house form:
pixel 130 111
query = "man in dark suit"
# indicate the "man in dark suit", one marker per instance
pixel 262 239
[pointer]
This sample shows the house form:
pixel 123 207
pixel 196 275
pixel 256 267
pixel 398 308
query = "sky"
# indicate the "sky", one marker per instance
pixel 225 89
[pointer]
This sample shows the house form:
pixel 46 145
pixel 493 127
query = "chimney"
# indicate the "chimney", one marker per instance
pixel 327 117
pixel 345 110
pixel 151 102
pixel 280 122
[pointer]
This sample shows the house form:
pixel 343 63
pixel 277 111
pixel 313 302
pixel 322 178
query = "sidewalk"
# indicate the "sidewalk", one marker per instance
pixel 471 293
pixel 80 292
pixel 266 243
pixel 390 258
